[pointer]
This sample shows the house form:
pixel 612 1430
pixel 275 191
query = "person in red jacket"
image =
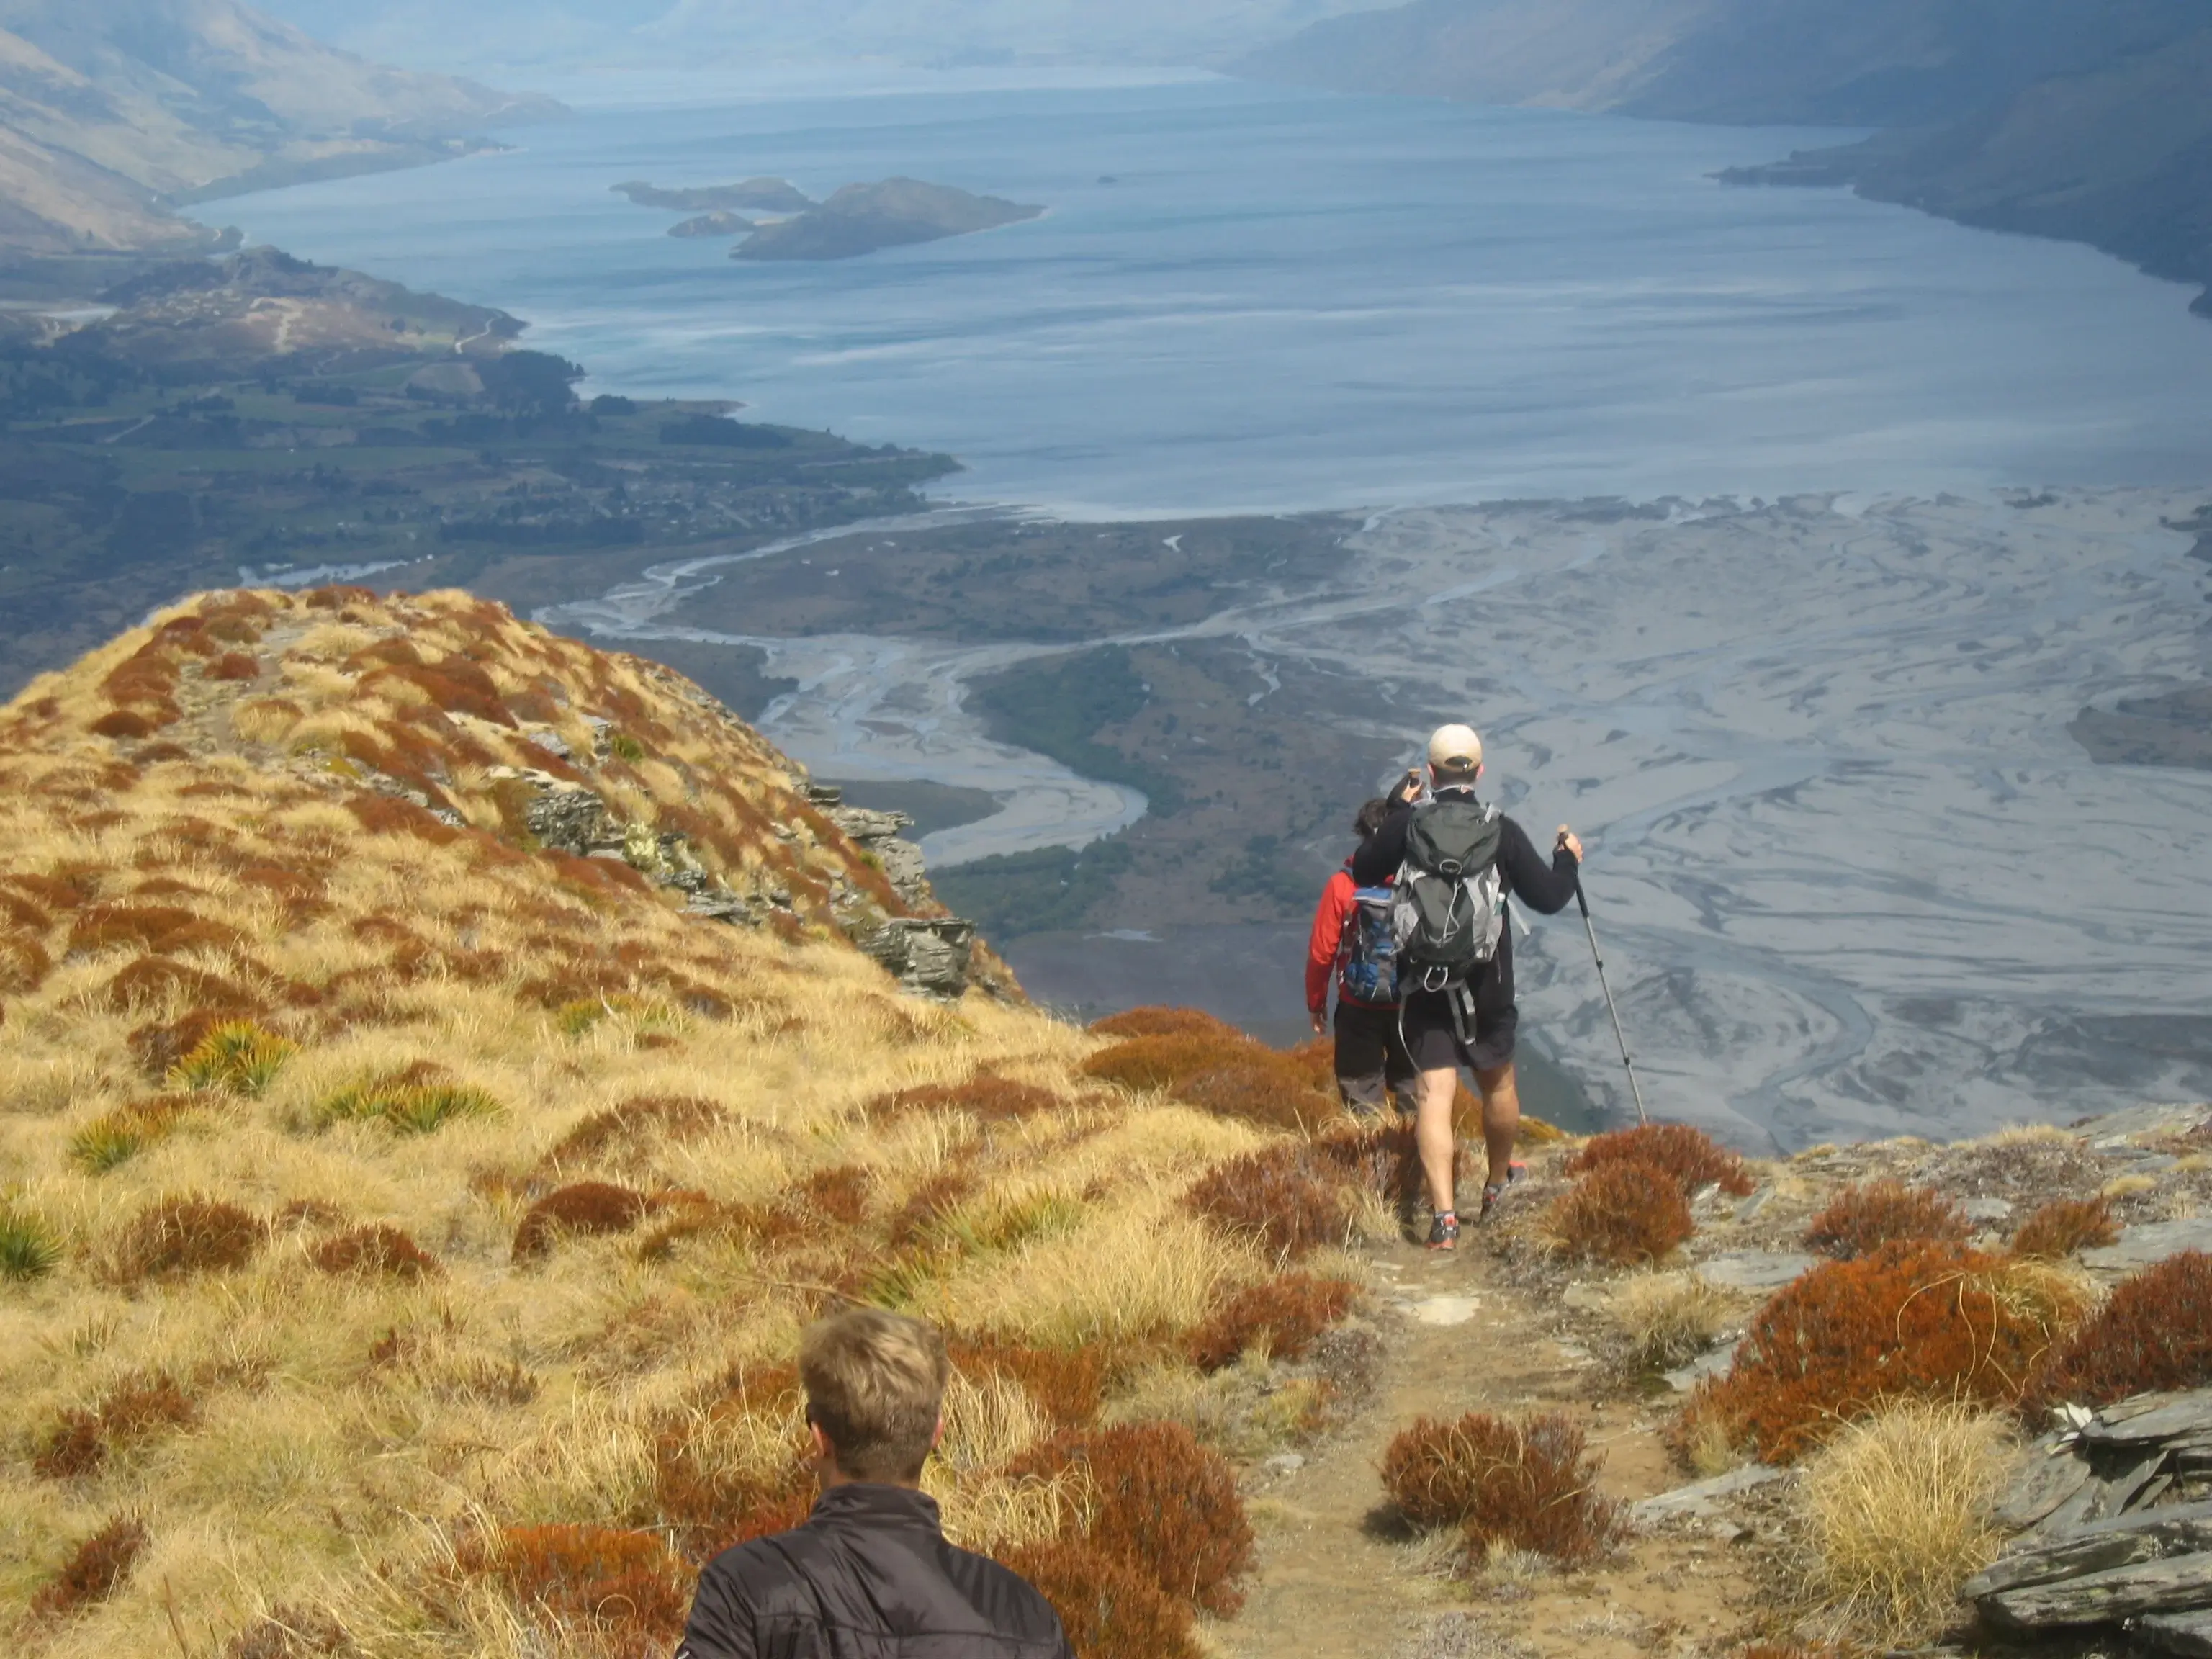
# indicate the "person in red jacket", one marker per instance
pixel 1351 943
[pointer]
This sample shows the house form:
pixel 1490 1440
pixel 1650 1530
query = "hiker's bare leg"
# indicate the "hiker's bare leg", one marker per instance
pixel 1432 1133
pixel 1501 1118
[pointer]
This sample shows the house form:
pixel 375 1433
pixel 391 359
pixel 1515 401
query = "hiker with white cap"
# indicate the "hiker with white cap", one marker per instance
pixel 1456 860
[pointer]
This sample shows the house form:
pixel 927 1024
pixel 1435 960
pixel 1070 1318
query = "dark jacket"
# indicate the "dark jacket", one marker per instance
pixel 1546 889
pixel 870 1576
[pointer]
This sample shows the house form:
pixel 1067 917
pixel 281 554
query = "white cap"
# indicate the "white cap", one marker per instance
pixel 1455 749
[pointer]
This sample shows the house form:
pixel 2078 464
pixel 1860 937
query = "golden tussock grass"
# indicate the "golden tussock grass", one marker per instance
pixel 1668 1319
pixel 1895 1513
pixel 370 1378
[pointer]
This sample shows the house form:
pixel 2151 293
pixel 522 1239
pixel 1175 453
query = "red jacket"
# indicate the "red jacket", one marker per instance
pixel 1326 942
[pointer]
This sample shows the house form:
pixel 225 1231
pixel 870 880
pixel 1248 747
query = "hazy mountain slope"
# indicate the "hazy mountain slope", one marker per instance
pixel 106 107
pixel 688 33
pixel 2087 119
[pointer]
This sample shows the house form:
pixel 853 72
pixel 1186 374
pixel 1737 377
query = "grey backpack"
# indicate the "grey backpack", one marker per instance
pixel 1450 906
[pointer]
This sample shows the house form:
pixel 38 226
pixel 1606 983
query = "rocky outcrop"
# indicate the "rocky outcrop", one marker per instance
pixel 2116 1515
pixel 929 956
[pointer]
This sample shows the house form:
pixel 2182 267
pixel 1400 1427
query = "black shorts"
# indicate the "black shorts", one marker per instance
pixel 1434 1046
pixel 1370 1060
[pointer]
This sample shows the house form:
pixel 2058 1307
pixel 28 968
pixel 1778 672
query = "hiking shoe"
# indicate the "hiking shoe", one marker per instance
pixel 1443 1231
pixel 1495 1190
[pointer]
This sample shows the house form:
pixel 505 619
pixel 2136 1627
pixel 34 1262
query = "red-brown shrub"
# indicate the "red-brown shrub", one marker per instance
pixel 1860 1220
pixel 94 1571
pixel 1154 1022
pixel 625 1592
pixel 993 1099
pixel 1068 1382
pixel 151 981
pixel 588 1207
pixel 1530 1484
pixel 375 1249
pixel 2152 1334
pixel 1284 1314
pixel 1913 1321
pixel 705 1500
pixel 157 1046
pixel 838 1195
pixel 1165 1506
pixel 179 1236
pixel 123 724
pixel 2059 1229
pixel 1160 1063
pixel 1621 1214
pixel 1260 1085
pixel 926 1208
pixel 1286 1196
pixel 164 927
pixel 677 1118
pixel 1384 1159
pixel 140 1406
pixel 233 666
pixel 1690 1157
pixel 1109 1609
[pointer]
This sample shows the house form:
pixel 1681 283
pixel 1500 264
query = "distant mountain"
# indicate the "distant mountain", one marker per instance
pixel 2085 119
pixel 113 110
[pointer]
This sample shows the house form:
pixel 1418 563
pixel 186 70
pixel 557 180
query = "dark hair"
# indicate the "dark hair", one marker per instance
pixel 1370 818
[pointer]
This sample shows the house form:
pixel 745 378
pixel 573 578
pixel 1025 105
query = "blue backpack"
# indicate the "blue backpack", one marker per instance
pixel 1367 959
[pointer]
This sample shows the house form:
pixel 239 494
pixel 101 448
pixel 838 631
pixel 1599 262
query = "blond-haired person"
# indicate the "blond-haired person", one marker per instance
pixel 1469 1021
pixel 870 1576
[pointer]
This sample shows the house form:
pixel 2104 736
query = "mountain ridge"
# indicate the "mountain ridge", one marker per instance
pixel 113 112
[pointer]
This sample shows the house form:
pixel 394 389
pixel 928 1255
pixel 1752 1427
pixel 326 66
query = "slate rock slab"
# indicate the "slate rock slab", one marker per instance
pixel 2152 1241
pixel 2043 1483
pixel 2101 1547
pixel 2189 1634
pixel 2177 1584
pixel 1715 1363
pixel 1755 1270
pixel 1699 1501
pixel 2116 1129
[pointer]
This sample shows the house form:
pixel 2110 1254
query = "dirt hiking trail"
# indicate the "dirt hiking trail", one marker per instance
pixel 1339 1579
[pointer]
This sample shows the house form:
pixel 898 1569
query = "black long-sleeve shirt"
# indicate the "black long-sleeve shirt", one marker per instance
pixel 1546 889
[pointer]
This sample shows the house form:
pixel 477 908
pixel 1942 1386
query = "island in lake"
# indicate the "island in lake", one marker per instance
pixel 760 195
pixel 863 218
pixel 722 223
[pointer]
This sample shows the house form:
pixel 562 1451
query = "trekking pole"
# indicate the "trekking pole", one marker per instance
pixel 1618 1035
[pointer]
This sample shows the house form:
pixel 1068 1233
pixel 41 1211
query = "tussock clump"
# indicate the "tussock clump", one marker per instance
pixel 588 1208
pixel 136 1408
pixel 625 1593
pixel 24 963
pixel 2152 1334
pixel 94 1571
pixel 374 1250
pixel 678 1120
pixel 1691 1158
pixel 1860 1220
pixel 736 1469
pixel 992 1099
pixel 174 1237
pixel 1163 1504
pixel 1287 1197
pixel 1897 1510
pixel 237 1057
pixel 1910 1321
pixel 113 1138
pixel 288 1633
pixel 29 1249
pixel 1110 1609
pixel 1622 1214
pixel 1669 1319
pixel 1156 1022
pixel 418 1100
pixel 1527 1486
pixel 2065 1227
pixel 1282 1316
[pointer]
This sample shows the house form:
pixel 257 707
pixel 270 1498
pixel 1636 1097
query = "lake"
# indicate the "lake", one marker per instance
pixel 1287 300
